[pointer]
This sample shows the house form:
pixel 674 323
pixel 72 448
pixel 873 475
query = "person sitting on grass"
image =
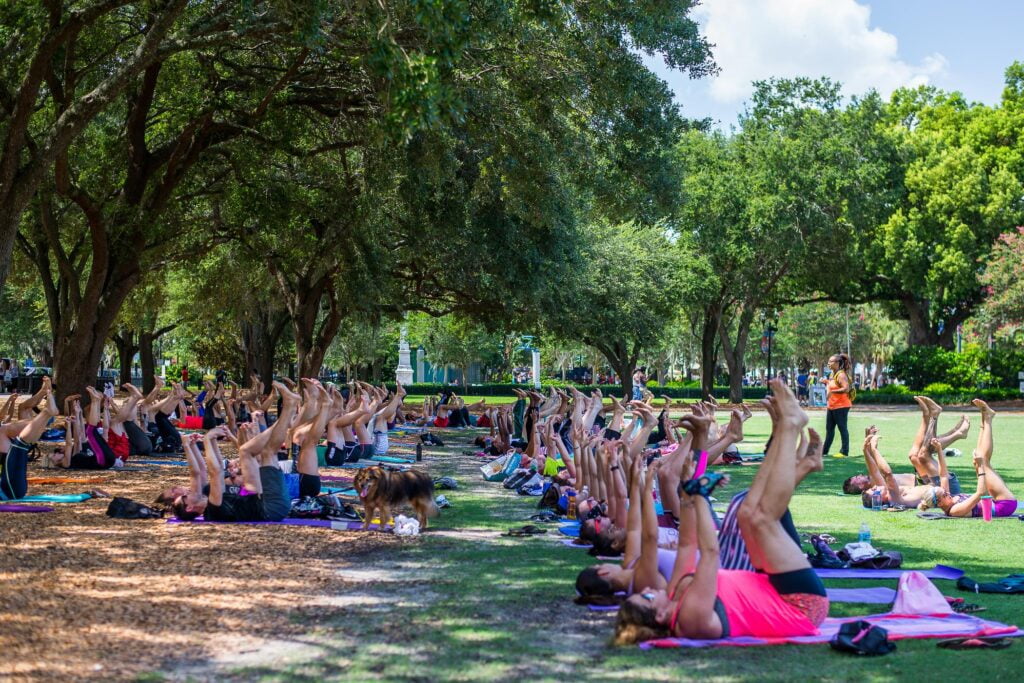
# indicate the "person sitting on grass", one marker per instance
pixel 783 598
pixel 16 440
pixel 989 481
pixel 257 456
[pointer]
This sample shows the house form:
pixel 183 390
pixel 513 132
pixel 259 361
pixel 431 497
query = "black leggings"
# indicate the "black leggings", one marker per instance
pixel 14 470
pixel 836 417
pixel 170 439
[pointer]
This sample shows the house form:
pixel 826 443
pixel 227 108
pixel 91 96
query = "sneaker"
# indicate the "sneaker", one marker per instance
pixel 840 455
pixel 442 502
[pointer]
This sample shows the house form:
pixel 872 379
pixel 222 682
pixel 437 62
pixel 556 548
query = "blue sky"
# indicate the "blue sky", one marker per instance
pixel 881 44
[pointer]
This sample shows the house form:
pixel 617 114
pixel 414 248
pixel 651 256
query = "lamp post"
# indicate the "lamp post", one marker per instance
pixel 769 332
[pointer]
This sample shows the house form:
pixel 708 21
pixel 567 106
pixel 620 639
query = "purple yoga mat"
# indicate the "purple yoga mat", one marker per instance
pixel 940 571
pixel 878 595
pixel 899 627
pixel 24 508
pixel 288 521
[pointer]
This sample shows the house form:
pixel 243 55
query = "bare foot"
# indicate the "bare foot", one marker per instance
pixel 735 428
pixel 814 460
pixel 934 408
pixel 986 412
pixel 50 405
pixel 786 405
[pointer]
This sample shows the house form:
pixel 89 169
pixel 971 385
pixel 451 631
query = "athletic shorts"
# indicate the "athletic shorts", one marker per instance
pixel 335 455
pixel 87 461
pixel 275 501
pixel 359 451
pixel 441 422
pixel 804 590
pixel 119 444
pixel 380 443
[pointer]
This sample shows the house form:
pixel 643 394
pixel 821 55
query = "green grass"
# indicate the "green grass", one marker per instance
pixel 467 604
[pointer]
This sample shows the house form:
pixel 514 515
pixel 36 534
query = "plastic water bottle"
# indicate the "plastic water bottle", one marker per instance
pixel 571 507
pixel 865 533
pixel 876 500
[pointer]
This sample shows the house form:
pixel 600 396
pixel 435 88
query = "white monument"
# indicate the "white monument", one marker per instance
pixel 403 373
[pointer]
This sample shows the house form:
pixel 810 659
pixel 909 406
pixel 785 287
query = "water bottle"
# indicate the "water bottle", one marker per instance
pixel 571 507
pixel 876 500
pixel 419 452
pixel 865 533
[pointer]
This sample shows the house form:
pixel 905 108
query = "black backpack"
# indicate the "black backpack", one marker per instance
pixel 862 638
pixel 126 508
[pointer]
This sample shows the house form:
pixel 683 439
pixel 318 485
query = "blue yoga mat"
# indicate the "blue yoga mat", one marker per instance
pixel 176 463
pixel 57 498
pixel 571 529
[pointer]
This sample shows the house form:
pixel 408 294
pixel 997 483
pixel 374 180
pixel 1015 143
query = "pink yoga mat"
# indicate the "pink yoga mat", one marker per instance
pixel 879 595
pixel 898 626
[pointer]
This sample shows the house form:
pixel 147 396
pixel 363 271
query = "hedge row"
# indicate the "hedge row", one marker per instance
pixel 883 397
pixel 750 393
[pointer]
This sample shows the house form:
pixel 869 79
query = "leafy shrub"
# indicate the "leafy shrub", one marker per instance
pixel 969 368
pixel 939 389
pixel 919 366
pixel 892 390
pixel 1006 363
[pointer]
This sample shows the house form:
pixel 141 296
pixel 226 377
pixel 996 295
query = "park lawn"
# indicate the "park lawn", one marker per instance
pixel 464 603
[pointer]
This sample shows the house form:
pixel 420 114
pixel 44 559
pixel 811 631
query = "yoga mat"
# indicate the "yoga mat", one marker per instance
pixel 24 508
pixel 64 480
pixel 58 498
pixel 388 458
pixel 288 521
pixel 340 492
pixel 570 529
pixel 176 463
pixel 344 480
pixel 573 544
pixel 899 628
pixel 940 571
pixel 879 596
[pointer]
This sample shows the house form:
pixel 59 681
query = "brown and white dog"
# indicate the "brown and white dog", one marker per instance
pixel 381 489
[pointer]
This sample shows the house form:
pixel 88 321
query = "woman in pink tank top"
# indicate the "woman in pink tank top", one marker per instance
pixel 783 598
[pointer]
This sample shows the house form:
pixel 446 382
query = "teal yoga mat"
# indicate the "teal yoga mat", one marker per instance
pixel 57 498
pixel 388 458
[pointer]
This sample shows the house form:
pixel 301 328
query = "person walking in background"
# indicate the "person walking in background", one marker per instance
pixel 639 382
pixel 802 384
pixel 839 400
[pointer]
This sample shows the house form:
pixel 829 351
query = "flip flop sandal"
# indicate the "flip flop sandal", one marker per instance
pixel 705 484
pixel 967 608
pixel 528 530
pixel 991 643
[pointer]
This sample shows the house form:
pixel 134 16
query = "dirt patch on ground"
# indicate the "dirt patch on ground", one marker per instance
pixel 85 596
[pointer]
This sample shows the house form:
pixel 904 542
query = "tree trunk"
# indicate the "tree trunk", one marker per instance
pixel 126 348
pixel 708 353
pixel 147 363
pixel 735 352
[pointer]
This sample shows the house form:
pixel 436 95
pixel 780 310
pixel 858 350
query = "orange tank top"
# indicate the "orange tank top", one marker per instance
pixel 838 400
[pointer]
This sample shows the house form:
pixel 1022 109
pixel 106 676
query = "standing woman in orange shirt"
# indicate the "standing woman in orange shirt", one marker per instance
pixel 839 402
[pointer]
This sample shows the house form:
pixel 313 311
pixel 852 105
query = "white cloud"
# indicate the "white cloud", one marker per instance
pixel 758 39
